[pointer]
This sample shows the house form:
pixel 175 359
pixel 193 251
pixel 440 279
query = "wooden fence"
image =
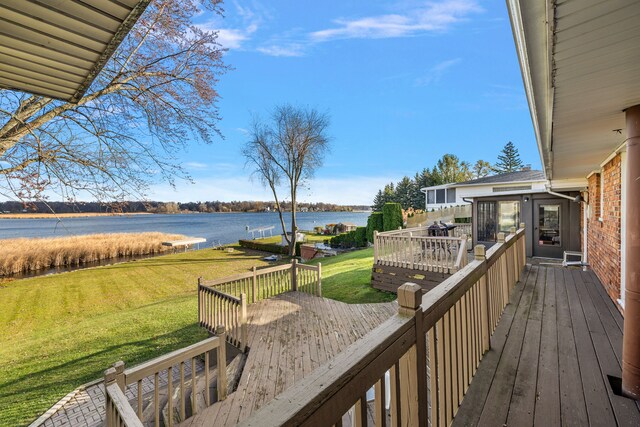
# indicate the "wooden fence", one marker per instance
pixel 447 329
pixel 413 249
pixel 224 301
pixel 159 373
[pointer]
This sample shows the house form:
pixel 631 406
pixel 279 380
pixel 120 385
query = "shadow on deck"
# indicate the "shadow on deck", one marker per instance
pixel 554 349
pixel 290 335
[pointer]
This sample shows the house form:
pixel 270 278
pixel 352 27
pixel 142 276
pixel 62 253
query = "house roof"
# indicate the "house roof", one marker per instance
pixel 504 178
pixel 57 48
pixel 580 64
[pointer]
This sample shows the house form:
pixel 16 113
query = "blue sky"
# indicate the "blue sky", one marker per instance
pixel 404 83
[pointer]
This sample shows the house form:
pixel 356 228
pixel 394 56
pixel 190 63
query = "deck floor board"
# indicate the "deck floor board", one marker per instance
pixel 561 338
pixel 290 335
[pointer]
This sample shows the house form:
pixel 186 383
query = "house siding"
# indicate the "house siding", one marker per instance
pixel 604 227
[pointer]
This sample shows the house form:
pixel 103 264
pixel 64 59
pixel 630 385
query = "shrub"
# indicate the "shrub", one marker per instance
pixel 266 247
pixel 374 223
pixel 360 237
pixel 392 216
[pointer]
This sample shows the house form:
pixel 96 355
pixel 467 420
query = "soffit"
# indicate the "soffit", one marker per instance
pixel 597 75
pixel 56 48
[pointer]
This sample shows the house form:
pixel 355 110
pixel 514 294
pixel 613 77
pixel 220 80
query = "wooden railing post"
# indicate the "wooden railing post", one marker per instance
pixel 222 363
pixel 244 337
pixel 254 285
pixel 294 275
pixel 199 301
pixel 119 367
pixel 375 246
pixel 319 279
pixel 413 365
pixel 479 252
pixel 109 379
pixel 411 259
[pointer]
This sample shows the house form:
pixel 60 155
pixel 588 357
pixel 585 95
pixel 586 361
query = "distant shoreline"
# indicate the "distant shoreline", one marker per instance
pixel 103 214
pixel 66 215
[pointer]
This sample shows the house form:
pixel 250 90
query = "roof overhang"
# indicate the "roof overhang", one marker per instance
pixel 580 63
pixel 56 48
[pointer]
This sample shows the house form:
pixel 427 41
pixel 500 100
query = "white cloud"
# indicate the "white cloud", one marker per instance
pixel 196 165
pixel 432 17
pixel 436 72
pixel 292 49
pixel 231 38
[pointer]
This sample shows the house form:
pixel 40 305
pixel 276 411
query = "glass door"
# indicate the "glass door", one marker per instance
pixel 548 229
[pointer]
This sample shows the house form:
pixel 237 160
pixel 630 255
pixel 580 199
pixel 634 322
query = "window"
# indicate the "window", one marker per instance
pixel 497 217
pixel 431 197
pixel 509 215
pixel 440 196
pixel 549 225
pixel 486 221
pixel 451 195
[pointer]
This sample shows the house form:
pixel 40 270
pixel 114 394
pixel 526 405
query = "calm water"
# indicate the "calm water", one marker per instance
pixel 216 228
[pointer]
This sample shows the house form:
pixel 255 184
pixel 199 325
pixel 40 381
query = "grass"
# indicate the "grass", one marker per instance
pixel 347 278
pixel 63 330
pixel 28 254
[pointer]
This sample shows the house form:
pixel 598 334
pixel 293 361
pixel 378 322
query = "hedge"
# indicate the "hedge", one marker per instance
pixel 353 239
pixel 374 223
pixel 266 247
pixel 392 216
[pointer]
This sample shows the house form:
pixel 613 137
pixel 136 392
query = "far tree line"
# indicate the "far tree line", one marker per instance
pixel 170 207
pixel 448 169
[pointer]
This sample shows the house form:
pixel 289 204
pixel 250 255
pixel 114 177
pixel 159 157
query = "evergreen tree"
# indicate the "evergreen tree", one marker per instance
pixel 378 202
pixel 450 169
pixel 508 159
pixel 405 193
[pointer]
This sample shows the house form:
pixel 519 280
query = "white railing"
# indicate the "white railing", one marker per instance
pixel 447 330
pixel 153 382
pixel 412 248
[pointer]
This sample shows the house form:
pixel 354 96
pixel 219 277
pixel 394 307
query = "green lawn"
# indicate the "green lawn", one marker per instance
pixel 63 330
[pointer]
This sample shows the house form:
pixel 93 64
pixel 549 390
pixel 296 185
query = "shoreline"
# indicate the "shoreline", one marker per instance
pixel 66 215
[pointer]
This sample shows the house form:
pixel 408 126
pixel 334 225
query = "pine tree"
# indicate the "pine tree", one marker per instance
pixel 508 159
pixel 405 193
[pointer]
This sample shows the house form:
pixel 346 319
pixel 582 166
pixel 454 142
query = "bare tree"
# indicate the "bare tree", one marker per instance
pixel 155 93
pixel 288 151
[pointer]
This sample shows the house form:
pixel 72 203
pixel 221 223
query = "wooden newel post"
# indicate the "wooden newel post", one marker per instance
pixel 109 379
pixel 501 237
pixel 199 301
pixel 413 365
pixel 222 363
pixel 375 246
pixel 119 367
pixel 294 275
pixel 244 336
pixel 254 285
pixel 479 253
pixel 319 279
pixel 522 225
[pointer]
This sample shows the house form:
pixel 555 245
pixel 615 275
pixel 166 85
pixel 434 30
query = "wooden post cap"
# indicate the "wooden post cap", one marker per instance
pixel 119 366
pixel 512 230
pixel 479 252
pixel 410 296
pixel 522 225
pixel 500 237
pixel 219 329
pixel 110 375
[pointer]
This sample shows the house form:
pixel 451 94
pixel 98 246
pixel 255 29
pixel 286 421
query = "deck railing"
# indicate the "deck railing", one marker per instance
pixel 224 301
pixel 412 248
pixel 447 330
pixel 155 377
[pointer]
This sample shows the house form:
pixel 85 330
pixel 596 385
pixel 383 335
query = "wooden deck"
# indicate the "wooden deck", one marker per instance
pixel 290 335
pixel 555 346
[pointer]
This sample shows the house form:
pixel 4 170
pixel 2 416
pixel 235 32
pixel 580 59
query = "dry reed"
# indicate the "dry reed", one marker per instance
pixel 28 254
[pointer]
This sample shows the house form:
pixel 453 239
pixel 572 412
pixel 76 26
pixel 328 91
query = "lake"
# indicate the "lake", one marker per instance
pixel 215 227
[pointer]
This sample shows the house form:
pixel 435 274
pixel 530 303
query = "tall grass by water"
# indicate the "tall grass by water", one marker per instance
pixel 23 254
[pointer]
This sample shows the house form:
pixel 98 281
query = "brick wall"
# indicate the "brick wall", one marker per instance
pixel 603 243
